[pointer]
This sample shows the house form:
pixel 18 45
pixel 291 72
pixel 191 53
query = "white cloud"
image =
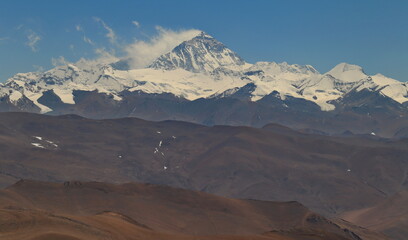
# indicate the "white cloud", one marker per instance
pixel 32 40
pixel 111 34
pixel 106 56
pixel 136 23
pixel 60 61
pixel 19 26
pixel 38 68
pixel 142 53
pixel 86 39
pixel 103 57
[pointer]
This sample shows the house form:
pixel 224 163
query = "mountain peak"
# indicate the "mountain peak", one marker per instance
pixel 347 72
pixel 348 67
pixel 203 53
pixel 382 80
pixel 203 34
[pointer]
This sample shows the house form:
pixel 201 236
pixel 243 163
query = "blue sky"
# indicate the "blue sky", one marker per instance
pixel 322 33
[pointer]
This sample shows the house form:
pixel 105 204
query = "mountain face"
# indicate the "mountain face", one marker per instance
pixel 203 73
pixel 203 53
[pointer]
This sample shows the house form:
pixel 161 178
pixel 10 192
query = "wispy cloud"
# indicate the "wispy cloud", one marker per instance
pixel 103 57
pixel 59 61
pixel 38 68
pixel 106 56
pixel 86 39
pixel 19 27
pixel 111 34
pixel 32 40
pixel 79 28
pixel 136 23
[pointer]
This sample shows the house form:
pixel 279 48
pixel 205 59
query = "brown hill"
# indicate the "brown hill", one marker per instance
pixel 389 217
pixel 91 210
pixel 327 174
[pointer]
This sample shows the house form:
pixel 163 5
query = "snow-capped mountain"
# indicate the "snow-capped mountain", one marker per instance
pixel 199 68
pixel 203 53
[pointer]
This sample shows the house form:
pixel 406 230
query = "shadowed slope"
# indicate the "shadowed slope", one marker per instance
pixel 328 174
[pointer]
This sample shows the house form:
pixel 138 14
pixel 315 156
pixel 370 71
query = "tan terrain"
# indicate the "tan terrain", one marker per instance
pixel 89 210
pixel 389 217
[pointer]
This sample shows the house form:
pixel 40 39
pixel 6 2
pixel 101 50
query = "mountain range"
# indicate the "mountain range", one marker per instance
pixel 203 81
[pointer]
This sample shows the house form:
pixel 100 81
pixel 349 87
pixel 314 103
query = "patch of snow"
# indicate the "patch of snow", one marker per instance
pixel 116 97
pixel 382 80
pixel 15 96
pixel 34 97
pixel 180 82
pixel 398 92
pixel 65 95
pixel 37 145
pixel 48 141
pixel 52 143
